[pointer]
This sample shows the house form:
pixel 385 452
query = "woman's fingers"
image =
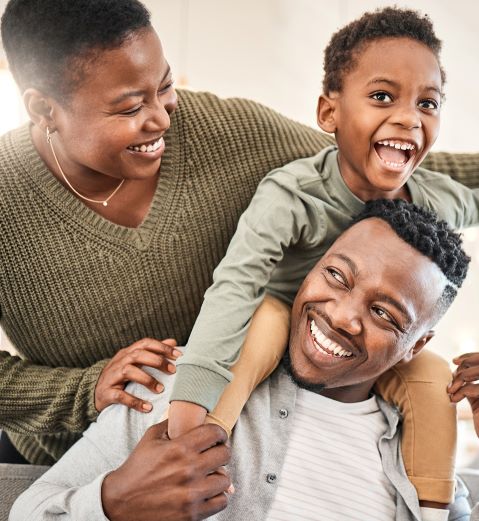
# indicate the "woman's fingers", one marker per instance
pixel 143 357
pixel 138 375
pixel 113 395
pixel 166 347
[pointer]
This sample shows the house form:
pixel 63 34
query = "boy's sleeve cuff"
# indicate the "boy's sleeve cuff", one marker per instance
pixel 198 385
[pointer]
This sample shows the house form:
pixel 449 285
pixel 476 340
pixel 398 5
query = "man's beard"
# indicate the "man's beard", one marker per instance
pixel 313 387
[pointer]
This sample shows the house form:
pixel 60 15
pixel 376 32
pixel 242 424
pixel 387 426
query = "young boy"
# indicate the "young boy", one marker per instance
pixel 382 94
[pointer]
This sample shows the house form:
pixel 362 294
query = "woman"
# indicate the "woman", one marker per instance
pixel 115 210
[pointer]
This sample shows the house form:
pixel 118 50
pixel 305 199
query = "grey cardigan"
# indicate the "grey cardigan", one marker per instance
pixel 72 488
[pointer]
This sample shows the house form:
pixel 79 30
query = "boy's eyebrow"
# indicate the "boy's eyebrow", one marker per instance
pixel 396 85
pixel 134 93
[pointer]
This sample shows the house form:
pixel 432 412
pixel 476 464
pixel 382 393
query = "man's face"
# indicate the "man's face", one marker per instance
pixel 366 305
pixel 387 115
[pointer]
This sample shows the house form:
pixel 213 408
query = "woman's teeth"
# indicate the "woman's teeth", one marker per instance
pixel 325 344
pixel 152 147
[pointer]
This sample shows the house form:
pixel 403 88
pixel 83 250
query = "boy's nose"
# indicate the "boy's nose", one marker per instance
pixel 408 117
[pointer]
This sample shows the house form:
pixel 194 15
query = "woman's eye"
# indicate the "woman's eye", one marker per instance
pixel 383 97
pixel 131 112
pixel 166 88
pixel 429 104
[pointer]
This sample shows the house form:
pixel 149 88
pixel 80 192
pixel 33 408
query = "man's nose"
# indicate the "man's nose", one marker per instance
pixel 343 315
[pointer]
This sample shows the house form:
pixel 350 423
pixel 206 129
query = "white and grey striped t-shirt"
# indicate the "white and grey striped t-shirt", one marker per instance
pixel 332 469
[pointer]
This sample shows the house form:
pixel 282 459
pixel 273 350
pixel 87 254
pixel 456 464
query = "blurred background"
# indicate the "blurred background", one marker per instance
pixel 272 51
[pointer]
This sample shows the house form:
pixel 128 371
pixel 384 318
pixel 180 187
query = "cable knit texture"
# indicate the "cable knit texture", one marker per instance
pixel 75 288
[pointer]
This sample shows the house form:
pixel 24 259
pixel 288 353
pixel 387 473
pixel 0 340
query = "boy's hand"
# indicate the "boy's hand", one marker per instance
pixel 183 417
pixel 463 383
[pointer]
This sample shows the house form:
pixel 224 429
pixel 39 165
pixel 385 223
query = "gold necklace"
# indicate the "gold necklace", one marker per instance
pixel 104 202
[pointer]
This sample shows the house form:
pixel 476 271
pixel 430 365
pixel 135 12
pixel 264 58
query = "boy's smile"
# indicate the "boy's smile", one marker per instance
pixel 386 117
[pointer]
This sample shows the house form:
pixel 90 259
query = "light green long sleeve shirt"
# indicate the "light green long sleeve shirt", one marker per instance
pixel 295 215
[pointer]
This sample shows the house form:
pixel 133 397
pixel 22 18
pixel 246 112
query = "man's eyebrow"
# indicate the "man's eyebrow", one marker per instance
pixel 348 261
pixel 400 307
pixel 396 85
pixel 135 93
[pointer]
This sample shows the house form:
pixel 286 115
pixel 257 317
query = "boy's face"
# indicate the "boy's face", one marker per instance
pixel 386 118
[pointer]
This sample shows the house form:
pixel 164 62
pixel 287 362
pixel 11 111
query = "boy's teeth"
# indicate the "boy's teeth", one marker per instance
pixel 397 144
pixel 325 344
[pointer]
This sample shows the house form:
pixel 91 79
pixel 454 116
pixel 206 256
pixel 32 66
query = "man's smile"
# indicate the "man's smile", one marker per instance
pixel 324 346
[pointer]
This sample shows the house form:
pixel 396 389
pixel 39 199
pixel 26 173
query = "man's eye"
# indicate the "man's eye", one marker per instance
pixel 383 97
pixel 383 314
pixel 429 104
pixel 336 275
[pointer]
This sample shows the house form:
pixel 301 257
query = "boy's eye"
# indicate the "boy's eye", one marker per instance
pixel 383 97
pixel 429 104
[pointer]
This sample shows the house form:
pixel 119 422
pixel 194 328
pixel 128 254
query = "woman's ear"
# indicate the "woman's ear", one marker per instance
pixel 417 348
pixel 326 112
pixel 39 108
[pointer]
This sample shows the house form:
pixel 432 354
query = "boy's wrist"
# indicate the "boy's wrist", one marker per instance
pixel 183 417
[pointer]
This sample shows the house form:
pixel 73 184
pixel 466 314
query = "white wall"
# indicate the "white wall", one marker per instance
pixel 271 51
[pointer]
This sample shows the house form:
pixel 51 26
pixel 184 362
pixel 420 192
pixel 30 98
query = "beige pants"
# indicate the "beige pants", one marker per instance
pixel 418 388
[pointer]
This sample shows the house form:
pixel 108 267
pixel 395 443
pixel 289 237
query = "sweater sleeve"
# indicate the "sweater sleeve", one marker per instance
pixel 71 489
pixel 461 167
pixel 38 399
pixel 279 216
pixel 457 204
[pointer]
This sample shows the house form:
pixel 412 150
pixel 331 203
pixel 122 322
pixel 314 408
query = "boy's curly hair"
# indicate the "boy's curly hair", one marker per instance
pixel 49 43
pixel 391 22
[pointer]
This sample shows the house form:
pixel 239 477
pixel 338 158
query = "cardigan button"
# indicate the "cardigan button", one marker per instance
pixel 271 478
pixel 283 413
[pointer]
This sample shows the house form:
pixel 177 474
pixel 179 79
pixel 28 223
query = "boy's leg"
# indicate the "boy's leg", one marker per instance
pixel 429 432
pixel 262 350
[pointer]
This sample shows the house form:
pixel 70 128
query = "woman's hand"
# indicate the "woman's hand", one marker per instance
pixel 463 383
pixel 125 367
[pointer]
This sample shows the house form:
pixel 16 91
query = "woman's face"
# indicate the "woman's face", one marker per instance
pixel 116 118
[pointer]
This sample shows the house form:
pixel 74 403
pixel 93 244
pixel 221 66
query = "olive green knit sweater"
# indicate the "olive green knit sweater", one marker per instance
pixel 74 287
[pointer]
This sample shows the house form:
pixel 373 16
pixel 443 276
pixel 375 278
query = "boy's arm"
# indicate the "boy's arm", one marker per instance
pixel 279 215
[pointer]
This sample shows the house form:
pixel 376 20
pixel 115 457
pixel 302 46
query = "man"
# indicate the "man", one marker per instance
pixel 312 440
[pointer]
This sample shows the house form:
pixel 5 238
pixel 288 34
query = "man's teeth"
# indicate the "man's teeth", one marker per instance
pixel 323 343
pixel 397 144
pixel 148 148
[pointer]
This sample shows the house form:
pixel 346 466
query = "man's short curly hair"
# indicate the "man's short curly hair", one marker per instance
pixel 49 43
pixel 432 237
pixel 391 22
